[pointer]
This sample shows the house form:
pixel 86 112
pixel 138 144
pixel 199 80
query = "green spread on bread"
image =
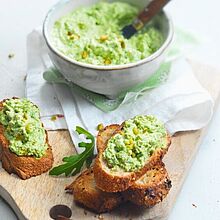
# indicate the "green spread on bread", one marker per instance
pixel 92 34
pixel 129 149
pixel 23 128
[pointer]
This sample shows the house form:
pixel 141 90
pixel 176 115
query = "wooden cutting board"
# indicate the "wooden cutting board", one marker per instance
pixel 32 199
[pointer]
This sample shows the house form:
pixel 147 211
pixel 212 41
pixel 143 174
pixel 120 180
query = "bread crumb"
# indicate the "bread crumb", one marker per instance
pixel 11 55
pixel 100 127
pixel 194 205
pixel 53 118
pixel 100 217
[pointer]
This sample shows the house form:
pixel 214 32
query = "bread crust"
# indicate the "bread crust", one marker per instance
pixel 104 135
pixel 108 181
pixel 151 188
pixel 24 166
pixel 86 193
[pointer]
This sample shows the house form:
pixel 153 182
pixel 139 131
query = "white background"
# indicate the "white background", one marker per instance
pixel 202 17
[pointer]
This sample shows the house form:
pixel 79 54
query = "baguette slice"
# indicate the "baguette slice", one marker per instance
pixel 118 181
pixel 86 193
pixel 24 166
pixel 151 188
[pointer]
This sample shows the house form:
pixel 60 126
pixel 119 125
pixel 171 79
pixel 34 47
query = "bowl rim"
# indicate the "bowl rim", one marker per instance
pixel 148 59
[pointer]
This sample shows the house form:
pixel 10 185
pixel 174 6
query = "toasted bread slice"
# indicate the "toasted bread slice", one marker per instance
pixel 117 181
pixel 86 193
pixel 24 166
pixel 151 188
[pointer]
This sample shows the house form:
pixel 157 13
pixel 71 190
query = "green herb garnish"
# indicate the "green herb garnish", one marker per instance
pixel 74 163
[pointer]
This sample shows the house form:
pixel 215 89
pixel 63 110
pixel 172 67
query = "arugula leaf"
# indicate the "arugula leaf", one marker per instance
pixel 73 164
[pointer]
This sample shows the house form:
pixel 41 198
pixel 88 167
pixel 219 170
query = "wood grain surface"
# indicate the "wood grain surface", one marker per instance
pixel 32 199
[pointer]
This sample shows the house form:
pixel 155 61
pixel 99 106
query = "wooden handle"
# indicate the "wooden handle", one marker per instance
pixel 152 9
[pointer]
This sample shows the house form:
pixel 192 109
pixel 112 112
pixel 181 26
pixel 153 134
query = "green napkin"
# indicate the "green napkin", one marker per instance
pixel 52 75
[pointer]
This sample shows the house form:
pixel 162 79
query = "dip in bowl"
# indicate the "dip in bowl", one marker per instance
pixel 86 45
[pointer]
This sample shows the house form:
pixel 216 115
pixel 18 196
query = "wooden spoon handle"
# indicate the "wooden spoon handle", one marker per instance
pixel 152 9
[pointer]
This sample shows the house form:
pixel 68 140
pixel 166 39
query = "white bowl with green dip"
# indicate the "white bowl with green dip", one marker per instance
pixel 86 45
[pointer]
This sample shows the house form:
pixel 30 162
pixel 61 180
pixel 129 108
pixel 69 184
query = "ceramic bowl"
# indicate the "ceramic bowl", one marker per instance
pixel 106 80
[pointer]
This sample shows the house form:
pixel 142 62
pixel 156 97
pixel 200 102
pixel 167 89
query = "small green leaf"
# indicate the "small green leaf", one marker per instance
pixel 72 158
pixel 59 170
pixel 73 164
pixel 82 144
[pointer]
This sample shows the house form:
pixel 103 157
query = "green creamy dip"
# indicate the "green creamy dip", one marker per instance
pixel 23 128
pixel 93 35
pixel 130 149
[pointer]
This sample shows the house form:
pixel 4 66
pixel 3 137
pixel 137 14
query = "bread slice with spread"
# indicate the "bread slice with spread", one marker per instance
pixel 25 150
pixel 129 152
